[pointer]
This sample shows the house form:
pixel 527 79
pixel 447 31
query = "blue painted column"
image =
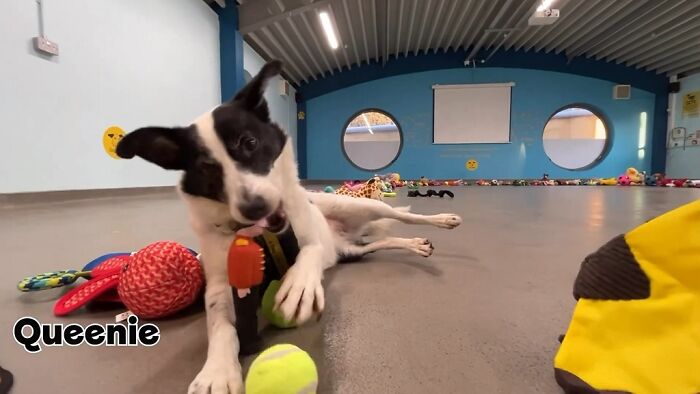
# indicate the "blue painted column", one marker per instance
pixel 230 50
pixel 658 136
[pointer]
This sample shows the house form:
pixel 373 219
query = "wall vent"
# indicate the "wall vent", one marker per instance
pixel 622 92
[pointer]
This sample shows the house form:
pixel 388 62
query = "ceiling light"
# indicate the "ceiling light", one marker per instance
pixel 369 128
pixel 545 4
pixel 328 29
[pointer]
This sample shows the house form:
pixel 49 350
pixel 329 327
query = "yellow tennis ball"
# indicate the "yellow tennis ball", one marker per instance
pixel 282 369
pixel 268 302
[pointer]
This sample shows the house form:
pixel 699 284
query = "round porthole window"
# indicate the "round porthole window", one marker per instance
pixel 576 137
pixel 372 140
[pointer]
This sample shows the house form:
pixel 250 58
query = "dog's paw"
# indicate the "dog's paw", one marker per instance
pixel 422 247
pixel 447 220
pixel 300 294
pixel 217 378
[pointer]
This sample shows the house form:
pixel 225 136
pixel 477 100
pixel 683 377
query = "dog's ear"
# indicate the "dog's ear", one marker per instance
pixel 170 148
pixel 251 97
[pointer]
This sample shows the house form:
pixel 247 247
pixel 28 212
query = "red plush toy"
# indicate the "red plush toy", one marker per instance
pixel 157 281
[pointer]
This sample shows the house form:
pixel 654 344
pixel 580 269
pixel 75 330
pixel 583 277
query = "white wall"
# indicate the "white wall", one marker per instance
pixel 129 63
pixel 682 163
pixel 283 110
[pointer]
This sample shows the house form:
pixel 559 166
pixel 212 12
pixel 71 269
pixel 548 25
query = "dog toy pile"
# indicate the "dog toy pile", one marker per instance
pixel 631 177
pixel 154 282
pixel 282 369
pixel 636 324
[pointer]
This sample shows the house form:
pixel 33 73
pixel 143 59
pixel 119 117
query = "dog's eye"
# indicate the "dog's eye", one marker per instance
pixel 249 143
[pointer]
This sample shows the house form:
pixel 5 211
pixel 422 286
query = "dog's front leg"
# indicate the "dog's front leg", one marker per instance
pixel 301 291
pixel 222 371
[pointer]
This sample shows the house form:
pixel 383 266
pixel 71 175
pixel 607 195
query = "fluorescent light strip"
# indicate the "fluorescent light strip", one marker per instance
pixel 328 29
pixel 369 128
pixel 545 4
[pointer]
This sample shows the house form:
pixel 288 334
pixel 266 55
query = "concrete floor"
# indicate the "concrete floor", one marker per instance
pixel 481 315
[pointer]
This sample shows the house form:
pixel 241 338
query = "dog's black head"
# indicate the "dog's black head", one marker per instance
pixel 233 154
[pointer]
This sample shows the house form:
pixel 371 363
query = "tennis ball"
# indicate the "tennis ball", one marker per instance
pixel 268 302
pixel 282 369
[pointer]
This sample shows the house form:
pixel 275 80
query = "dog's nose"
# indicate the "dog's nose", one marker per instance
pixel 254 208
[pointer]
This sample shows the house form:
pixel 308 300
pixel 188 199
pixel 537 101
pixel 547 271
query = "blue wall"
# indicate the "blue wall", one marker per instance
pixel 408 97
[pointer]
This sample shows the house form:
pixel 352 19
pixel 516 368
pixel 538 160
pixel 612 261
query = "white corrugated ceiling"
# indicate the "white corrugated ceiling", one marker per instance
pixel 658 35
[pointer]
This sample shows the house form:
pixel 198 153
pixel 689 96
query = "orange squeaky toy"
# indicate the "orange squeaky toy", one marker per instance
pixel 246 262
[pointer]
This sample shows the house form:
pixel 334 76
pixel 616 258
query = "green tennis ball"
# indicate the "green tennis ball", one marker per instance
pixel 282 369
pixel 268 302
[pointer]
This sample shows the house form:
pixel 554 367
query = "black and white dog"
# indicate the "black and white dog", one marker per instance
pixel 240 171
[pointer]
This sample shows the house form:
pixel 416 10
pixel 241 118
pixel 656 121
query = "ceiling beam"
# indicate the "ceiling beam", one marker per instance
pixel 606 14
pixel 521 25
pixel 257 14
pixel 669 60
pixel 294 49
pixel 352 32
pixel 580 46
pixel 436 22
pixel 458 25
pixel 398 30
pixel 422 26
pixel 445 25
pixel 468 25
pixel 664 51
pixel 666 15
pixel 689 71
pixel 320 48
pixel 297 34
pixel 376 34
pixel 387 28
pixel 407 48
pixel 341 43
pixel 689 64
pixel 364 31
pixel 520 14
pixel 658 41
pixel 482 23
pixel 267 53
pixel 285 56
pixel 494 23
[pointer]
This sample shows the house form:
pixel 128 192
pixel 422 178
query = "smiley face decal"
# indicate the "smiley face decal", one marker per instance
pixel 110 139
pixel 472 164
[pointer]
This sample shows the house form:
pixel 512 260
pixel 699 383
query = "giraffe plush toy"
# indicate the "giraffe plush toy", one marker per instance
pixel 370 189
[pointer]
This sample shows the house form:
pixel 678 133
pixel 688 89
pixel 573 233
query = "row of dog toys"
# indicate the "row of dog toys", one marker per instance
pixel 631 177
pixel 385 185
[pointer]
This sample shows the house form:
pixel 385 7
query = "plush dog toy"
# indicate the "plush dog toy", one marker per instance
pixel 636 324
pixel 370 189
pixel 636 178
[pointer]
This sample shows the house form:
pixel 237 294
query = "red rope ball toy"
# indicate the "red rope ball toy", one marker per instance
pixel 157 281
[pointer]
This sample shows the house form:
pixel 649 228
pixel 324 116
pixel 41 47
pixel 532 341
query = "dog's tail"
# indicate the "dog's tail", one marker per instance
pixel 380 228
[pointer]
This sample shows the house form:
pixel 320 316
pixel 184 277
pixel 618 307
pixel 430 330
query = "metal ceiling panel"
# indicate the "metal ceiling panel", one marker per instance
pixel 659 35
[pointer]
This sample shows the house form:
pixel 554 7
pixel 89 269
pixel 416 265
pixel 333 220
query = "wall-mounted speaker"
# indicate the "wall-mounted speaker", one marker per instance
pixel 622 92
pixel 674 87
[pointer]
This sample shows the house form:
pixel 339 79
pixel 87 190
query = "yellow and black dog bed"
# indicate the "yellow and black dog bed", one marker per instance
pixel 636 324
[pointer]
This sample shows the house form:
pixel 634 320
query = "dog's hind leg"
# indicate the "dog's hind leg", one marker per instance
pixel 356 213
pixel 420 246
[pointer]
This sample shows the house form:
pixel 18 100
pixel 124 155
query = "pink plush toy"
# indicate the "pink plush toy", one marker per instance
pixel 624 180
